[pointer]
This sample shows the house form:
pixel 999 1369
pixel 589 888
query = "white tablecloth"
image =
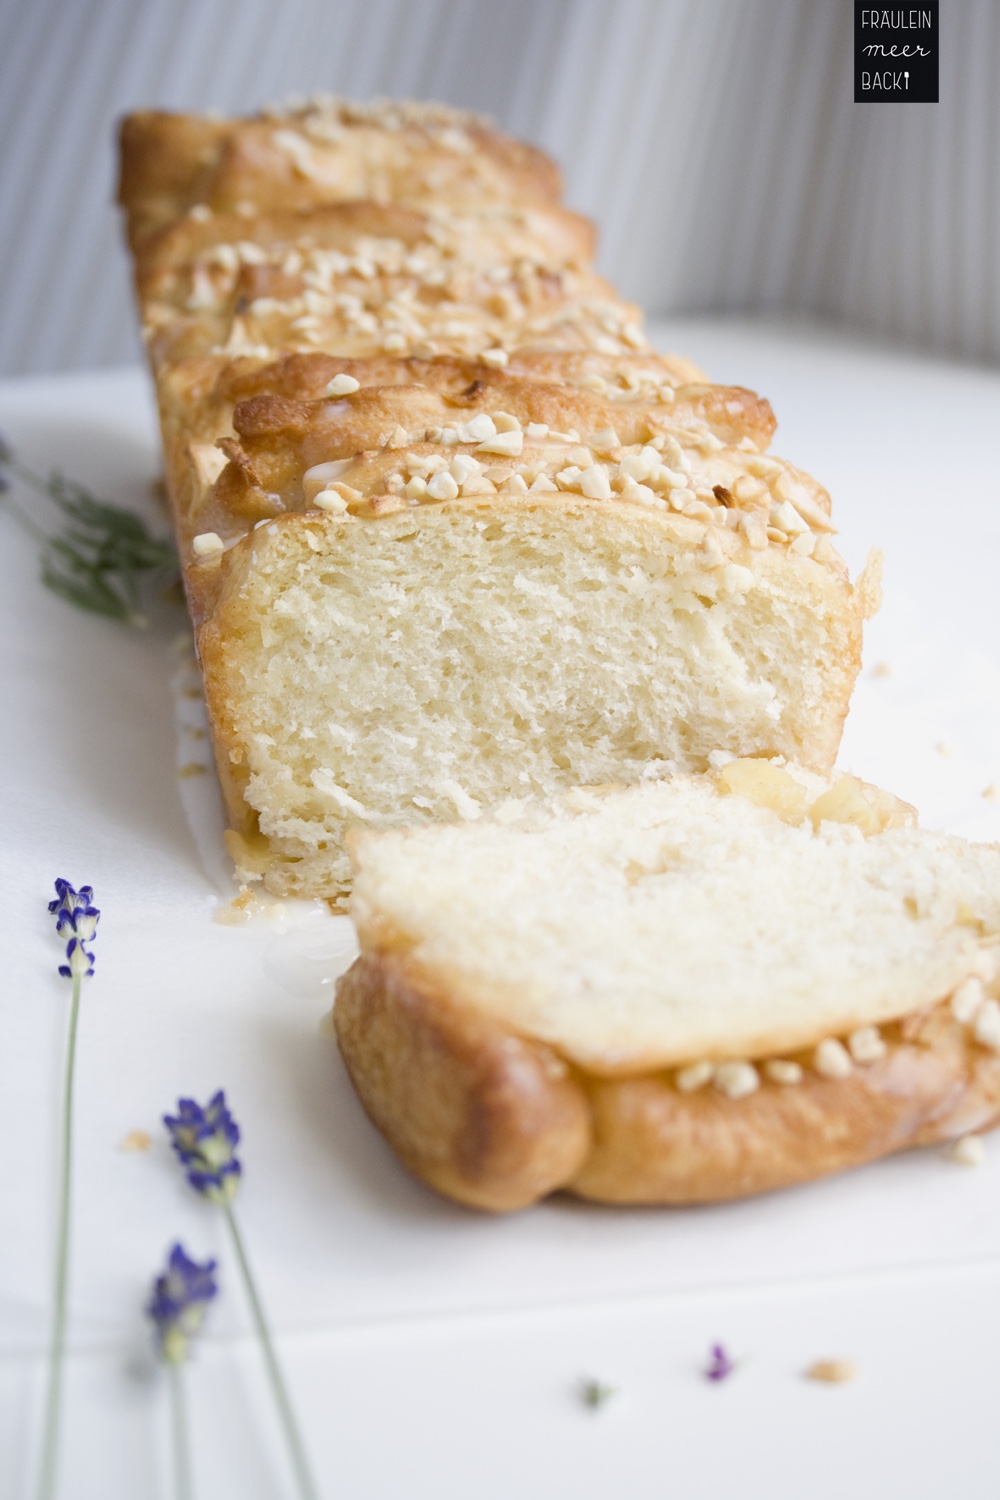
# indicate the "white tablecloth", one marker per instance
pixel 435 1351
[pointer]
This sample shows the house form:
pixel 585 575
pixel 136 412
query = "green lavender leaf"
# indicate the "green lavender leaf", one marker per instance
pixel 102 554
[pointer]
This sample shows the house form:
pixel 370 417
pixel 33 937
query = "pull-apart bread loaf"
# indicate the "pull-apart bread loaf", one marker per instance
pixel 674 993
pixel 451 531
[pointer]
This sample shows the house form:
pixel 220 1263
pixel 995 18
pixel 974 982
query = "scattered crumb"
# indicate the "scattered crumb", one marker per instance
pixel 832 1371
pixel 136 1140
pixel 191 768
pixel 990 793
pixel 594 1393
pixel 194 732
pixel 882 669
pixel 968 1151
pixel 945 748
pixel 237 913
pixel 325 1027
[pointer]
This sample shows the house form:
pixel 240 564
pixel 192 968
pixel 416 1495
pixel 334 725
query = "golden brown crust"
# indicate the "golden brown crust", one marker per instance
pixel 414 1056
pixel 279 412
pixel 485 1117
pixel 352 275
pixel 171 163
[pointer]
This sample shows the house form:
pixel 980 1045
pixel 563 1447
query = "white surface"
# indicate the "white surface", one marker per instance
pixel 431 1346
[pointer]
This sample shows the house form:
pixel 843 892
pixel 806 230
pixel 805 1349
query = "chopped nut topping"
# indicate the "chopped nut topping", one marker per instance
pixel 754 529
pixel 694 1076
pixel 987 1025
pixel 342 385
pixel 569 478
pixel 967 999
pixel 463 466
pixel 748 488
pixel 968 1151
pixel 764 468
pixel 595 484
pixel 416 488
pixel 332 501
pixel 509 444
pixel 398 438
pixel 866 1044
pixel 787 519
pixel 640 493
pixel 780 1070
pixel 536 431
pixel 505 422
pixel 442 486
pixel 736 1079
pixel 496 358
pixel 736 579
pixel 476 430
pixel 207 543
pixel 985 965
pixel 832 1059
pixel 543 482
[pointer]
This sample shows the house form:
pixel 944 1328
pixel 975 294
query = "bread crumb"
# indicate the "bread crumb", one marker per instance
pixel 968 1151
pixel 191 768
pixel 945 748
pixel 832 1371
pixel 237 913
pixel 883 669
pixel 136 1140
pixel 990 793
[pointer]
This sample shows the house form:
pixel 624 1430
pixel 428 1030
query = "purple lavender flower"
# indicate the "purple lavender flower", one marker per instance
pixel 205 1139
pixel 76 920
pixel 179 1301
pixel 720 1366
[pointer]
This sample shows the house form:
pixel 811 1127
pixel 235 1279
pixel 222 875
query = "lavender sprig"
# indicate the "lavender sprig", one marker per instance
pixel 103 551
pixel 205 1138
pixel 179 1301
pixel 76 923
pixel 177 1305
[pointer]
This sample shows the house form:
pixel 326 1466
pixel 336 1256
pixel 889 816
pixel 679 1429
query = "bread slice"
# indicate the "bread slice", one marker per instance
pixel 694 990
pixel 317 152
pixel 368 277
pixel 495 604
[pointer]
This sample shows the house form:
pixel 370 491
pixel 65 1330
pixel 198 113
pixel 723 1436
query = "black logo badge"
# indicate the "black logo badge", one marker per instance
pixel 896 53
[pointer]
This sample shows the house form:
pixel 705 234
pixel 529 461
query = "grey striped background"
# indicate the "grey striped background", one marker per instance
pixel 716 141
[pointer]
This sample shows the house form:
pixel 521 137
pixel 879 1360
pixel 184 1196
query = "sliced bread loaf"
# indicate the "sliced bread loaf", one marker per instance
pixel 677 992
